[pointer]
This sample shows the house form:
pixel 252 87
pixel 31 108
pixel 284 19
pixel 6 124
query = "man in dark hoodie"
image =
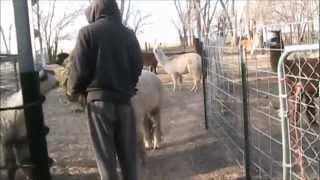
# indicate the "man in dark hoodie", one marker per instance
pixel 106 66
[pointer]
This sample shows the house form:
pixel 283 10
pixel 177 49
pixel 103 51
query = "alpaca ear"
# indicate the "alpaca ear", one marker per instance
pixel 156 46
pixel 43 75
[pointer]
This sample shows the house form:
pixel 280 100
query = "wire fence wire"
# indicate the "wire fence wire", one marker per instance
pixel 224 104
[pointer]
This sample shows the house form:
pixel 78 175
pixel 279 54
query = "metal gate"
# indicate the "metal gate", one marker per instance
pixel 299 76
pixel 242 99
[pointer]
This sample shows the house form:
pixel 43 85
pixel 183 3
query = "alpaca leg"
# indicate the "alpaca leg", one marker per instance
pixel 196 82
pixel 193 80
pixel 194 86
pixel 174 78
pixel 147 128
pixel 192 75
pixel 180 81
pixel 141 149
pixel 140 134
pixel 252 50
pixel 252 55
pixel 156 123
pixel 155 68
pixel 199 82
pixel 10 160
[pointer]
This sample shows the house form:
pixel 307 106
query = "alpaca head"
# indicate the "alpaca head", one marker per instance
pixel 159 54
pixel 156 49
pixel 47 81
pixel 275 40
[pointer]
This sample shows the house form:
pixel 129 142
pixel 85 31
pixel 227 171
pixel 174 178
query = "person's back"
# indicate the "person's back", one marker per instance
pixel 106 67
pixel 114 41
pixel 114 60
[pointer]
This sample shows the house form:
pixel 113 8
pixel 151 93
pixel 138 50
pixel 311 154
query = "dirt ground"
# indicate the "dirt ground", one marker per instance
pixel 188 151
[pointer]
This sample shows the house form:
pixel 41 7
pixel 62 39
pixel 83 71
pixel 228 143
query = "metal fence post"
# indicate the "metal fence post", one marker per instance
pixel 245 116
pixel 286 163
pixel 31 94
pixel 199 49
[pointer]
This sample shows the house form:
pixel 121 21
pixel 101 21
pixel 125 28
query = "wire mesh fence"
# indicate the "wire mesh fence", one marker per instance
pixel 13 145
pixel 224 101
pixel 223 94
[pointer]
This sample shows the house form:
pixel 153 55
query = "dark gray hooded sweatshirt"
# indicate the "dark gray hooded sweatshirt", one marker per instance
pixel 108 59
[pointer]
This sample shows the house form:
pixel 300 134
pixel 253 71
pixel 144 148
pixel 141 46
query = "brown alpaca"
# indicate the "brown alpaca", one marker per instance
pixel 150 61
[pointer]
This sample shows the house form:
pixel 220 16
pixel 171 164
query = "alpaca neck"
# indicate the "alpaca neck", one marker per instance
pixel 161 58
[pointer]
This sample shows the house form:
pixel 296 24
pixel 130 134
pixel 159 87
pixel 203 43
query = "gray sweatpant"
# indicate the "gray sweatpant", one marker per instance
pixel 113 133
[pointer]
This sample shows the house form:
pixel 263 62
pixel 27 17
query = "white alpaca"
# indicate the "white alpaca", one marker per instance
pixel 146 105
pixel 178 65
pixel 13 141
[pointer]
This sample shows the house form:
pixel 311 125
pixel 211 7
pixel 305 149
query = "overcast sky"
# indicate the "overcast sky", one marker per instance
pixel 160 26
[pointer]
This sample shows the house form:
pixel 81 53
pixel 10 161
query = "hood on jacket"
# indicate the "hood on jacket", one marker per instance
pixel 102 8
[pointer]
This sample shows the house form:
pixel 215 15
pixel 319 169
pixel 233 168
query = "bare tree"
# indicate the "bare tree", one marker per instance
pixel 50 28
pixel 183 25
pixel 235 23
pixel 226 13
pixel 125 9
pixel 180 34
pixel 132 17
pixel 262 12
pixel 298 11
pixel 198 15
pixel 139 21
pixel 208 12
pixel 36 11
pixel 4 40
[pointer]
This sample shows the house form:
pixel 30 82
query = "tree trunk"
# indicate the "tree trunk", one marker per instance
pixel 55 49
pixel 198 6
pixel 49 52
pixel 227 15
pixel 40 37
pixel 235 24
pixel 185 38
